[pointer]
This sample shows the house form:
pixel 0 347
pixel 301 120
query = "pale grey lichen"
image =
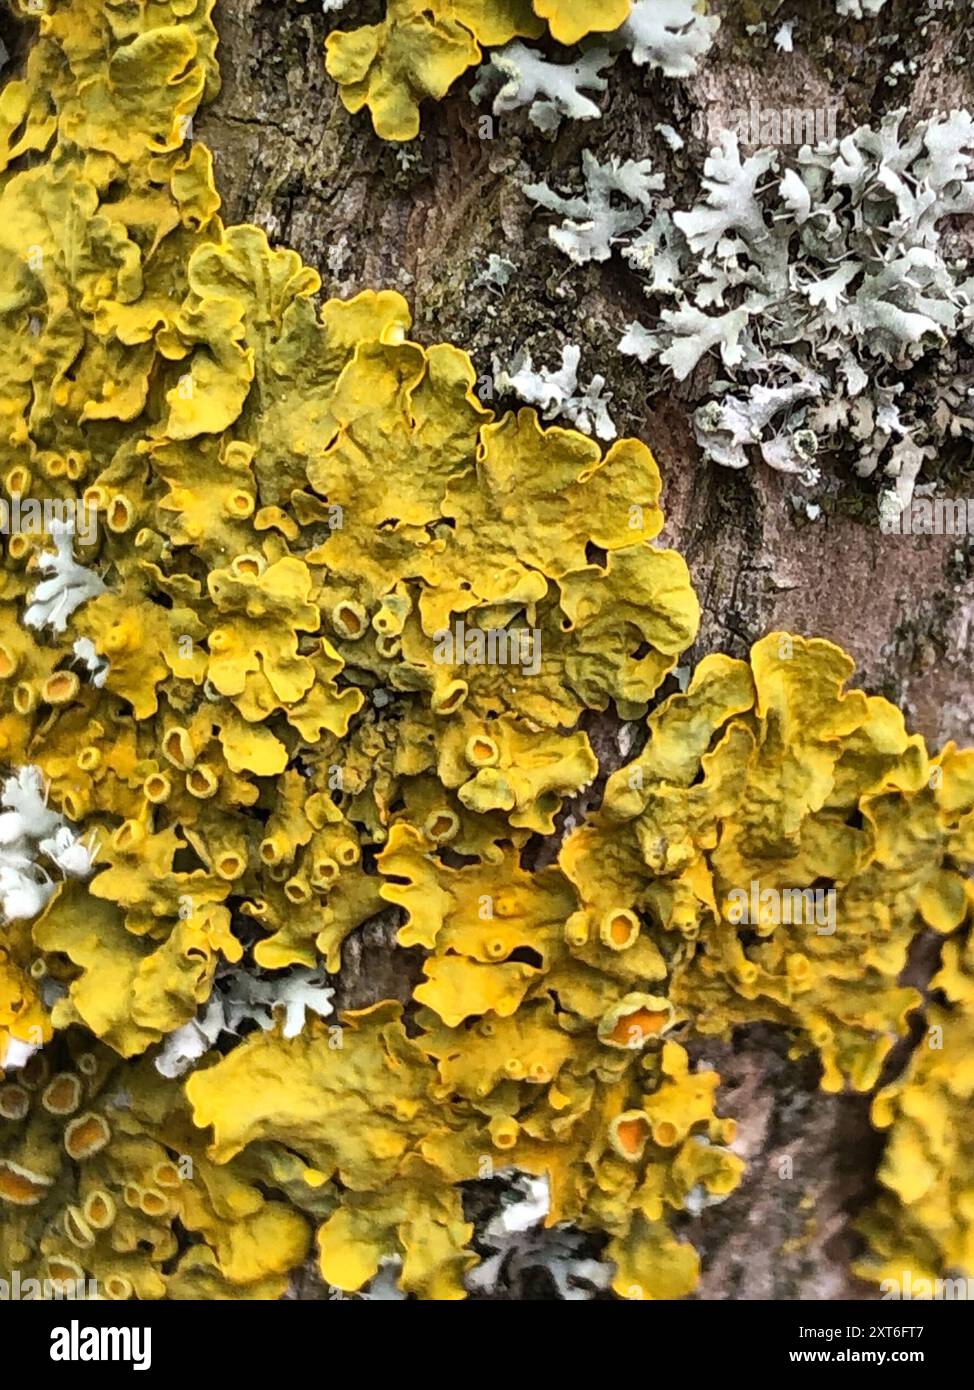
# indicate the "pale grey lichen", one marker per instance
pixel 518 1242
pixel 241 997
pixel 67 584
pixel 338 253
pixel 96 666
pixel 496 274
pixel 558 395
pixel 858 9
pixel 669 35
pixel 594 222
pixel 384 1287
pixel 834 289
pixel 35 840
pixel 672 137
pixel 550 91
pixel 784 39
pixel 731 423
pixel 672 35
pixel 690 333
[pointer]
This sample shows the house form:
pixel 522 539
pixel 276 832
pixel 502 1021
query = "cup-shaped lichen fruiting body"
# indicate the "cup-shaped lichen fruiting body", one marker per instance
pixel 635 1020
pixel 86 1135
pixel 63 1094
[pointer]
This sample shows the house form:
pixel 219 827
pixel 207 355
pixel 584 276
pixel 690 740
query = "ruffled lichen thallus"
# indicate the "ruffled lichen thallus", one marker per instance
pixel 327 651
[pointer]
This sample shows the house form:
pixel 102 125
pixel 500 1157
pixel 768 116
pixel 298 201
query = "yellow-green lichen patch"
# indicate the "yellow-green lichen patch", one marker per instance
pixel 920 1229
pixel 324 643
pixel 783 840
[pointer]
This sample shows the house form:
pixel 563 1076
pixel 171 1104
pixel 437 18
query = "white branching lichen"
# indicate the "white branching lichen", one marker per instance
pixel 240 997
pixel 96 666
pixel 728 425
pixel 595 221
pixel 34 841
pixel 858 9
pixel 67 586
pixel 834 289
pixel 519 1242
pixel 672 137
pixel 496 274
pixel 30 832
pixel 784 39
pixel 557 395
pixel 550 91
pixel 384 1287
pixel 671 35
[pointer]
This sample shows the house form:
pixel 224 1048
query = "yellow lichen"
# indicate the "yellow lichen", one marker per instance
pixel 921 1228
pixel 351 627
pixel 103 1198
pixel 735 837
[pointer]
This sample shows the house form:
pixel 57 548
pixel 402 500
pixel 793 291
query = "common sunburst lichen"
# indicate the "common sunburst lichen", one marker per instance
pixel 920 1229
pixel 339 636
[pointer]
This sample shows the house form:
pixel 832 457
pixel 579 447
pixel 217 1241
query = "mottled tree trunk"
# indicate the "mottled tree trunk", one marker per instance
pixel 423 218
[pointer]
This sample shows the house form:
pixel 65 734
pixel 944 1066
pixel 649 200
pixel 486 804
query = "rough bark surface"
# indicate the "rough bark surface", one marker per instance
pixel 422 218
